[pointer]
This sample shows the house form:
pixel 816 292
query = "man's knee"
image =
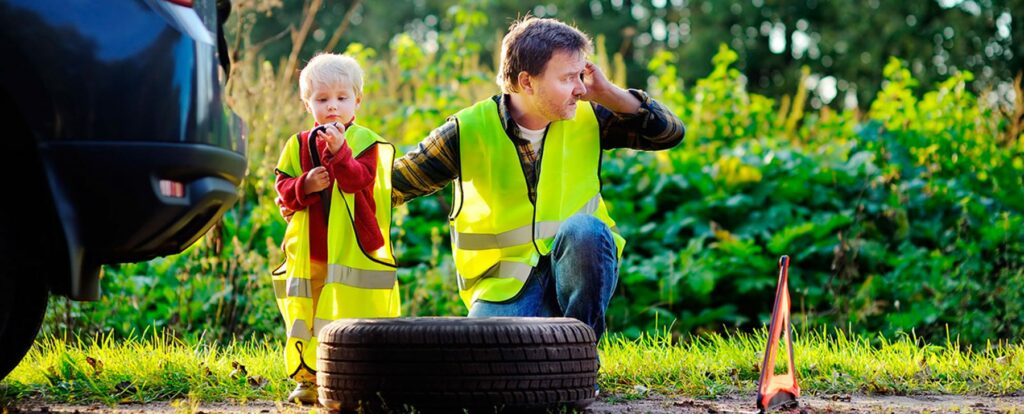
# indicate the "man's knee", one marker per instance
pixel 584 228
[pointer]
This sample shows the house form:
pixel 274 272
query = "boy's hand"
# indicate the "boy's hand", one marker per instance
pixel 286 212
pixel 334 135
pixel 316 180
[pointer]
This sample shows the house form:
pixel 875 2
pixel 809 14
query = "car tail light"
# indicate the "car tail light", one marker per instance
pixel 182 15
pixel 172 189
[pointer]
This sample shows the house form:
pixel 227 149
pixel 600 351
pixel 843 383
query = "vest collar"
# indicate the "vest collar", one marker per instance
pixel 508 124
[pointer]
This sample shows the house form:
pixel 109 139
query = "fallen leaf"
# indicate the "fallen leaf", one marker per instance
pixel 239 372
pixel 124 387
pixel 97 365
pixel 205 370
pixel 257 382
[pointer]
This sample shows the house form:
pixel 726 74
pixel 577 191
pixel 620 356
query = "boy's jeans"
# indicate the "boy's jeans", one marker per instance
pixel 576 280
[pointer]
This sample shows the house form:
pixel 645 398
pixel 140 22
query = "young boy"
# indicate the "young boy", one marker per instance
pixel 334 187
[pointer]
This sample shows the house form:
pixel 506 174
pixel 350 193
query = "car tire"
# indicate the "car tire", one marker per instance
pixel 456 364
pixel 22 307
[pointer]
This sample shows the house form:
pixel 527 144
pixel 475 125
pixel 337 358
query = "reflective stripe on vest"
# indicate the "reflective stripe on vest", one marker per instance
pixel 521 235
pixel 298 288
pixel 360 278
pixel 300 330
pixel 507 270
pixel 319 324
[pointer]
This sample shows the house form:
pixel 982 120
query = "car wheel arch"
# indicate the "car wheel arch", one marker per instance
pixel 36 208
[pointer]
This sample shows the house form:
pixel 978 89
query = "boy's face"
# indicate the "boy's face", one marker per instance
pixel 333 102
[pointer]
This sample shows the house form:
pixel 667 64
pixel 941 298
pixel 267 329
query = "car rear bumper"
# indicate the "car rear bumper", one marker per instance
pixel 109 196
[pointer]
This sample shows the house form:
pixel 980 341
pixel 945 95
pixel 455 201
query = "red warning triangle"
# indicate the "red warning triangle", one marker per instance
pixel 777 391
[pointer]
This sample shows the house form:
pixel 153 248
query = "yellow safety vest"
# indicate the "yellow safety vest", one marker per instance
pixel 498 236
pixel 359 284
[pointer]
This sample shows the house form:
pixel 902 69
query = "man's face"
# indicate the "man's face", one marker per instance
pixel 559 86
pixel 335 102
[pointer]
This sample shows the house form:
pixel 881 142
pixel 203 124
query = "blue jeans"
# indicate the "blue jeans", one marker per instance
pixel 576 280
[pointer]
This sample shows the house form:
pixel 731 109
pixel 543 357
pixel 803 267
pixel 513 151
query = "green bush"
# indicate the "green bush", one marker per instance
pixel 908 218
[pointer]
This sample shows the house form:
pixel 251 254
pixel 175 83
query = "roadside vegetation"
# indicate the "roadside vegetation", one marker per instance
pixel 158 367
pixel 904 217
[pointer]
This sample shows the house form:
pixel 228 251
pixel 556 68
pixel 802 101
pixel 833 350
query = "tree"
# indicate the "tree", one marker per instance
pixel 844 44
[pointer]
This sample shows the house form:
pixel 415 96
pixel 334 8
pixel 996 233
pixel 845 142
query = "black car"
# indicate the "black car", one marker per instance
pixel 117 144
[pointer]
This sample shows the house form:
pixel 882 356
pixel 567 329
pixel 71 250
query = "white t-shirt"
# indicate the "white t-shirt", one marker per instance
pixel 535 136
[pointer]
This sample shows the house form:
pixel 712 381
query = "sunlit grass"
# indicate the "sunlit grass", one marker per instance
pixel 149 368
pixel 828 362
pixel 161 368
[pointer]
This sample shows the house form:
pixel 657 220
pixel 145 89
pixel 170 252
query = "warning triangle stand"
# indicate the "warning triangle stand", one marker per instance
pixel 778 391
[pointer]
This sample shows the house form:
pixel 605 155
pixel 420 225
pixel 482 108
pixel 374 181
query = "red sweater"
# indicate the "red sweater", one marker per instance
pixel 352 175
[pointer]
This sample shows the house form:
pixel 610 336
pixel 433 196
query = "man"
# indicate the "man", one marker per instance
pixel 531 235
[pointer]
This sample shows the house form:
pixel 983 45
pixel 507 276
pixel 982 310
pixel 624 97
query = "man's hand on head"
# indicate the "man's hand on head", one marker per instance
pixel 602 91
pixel 595 81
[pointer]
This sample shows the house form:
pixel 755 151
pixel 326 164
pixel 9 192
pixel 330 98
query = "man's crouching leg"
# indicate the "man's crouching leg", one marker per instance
pixel 586 270
pixel 585 267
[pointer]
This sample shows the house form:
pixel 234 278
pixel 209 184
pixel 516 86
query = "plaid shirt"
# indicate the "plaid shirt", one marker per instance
pixel 435 162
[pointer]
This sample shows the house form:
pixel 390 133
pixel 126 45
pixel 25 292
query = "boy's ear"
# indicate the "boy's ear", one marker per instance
pixel 525 83
pixel 305 103
pixel 359 99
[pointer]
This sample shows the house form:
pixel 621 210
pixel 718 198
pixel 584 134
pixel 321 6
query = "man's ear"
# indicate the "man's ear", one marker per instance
pixel 525 83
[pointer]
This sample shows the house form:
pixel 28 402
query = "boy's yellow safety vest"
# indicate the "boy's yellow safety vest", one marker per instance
pixel 359 284
pixel 498 236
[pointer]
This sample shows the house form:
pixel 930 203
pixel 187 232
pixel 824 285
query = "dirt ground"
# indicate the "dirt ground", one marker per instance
pixel 826 404
pixel 652 405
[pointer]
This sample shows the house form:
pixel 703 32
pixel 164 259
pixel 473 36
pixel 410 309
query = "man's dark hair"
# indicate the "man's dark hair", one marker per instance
pixel 529 44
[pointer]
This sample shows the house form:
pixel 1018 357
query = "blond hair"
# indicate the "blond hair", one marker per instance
pixel 329 69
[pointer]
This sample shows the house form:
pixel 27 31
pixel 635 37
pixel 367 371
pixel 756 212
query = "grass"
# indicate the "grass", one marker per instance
pixel 144 369
pixel 158 367
pixel 828 362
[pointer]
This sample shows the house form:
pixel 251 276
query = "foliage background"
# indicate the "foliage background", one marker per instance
pixel 845 44
pixel 902 213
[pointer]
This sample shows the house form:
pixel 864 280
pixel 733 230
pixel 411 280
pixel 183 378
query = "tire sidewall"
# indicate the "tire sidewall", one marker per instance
pixel 456 364
pixel 22 308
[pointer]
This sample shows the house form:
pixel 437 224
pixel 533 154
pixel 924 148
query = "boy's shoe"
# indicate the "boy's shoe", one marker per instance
pixel 304 394
pixel 597 390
